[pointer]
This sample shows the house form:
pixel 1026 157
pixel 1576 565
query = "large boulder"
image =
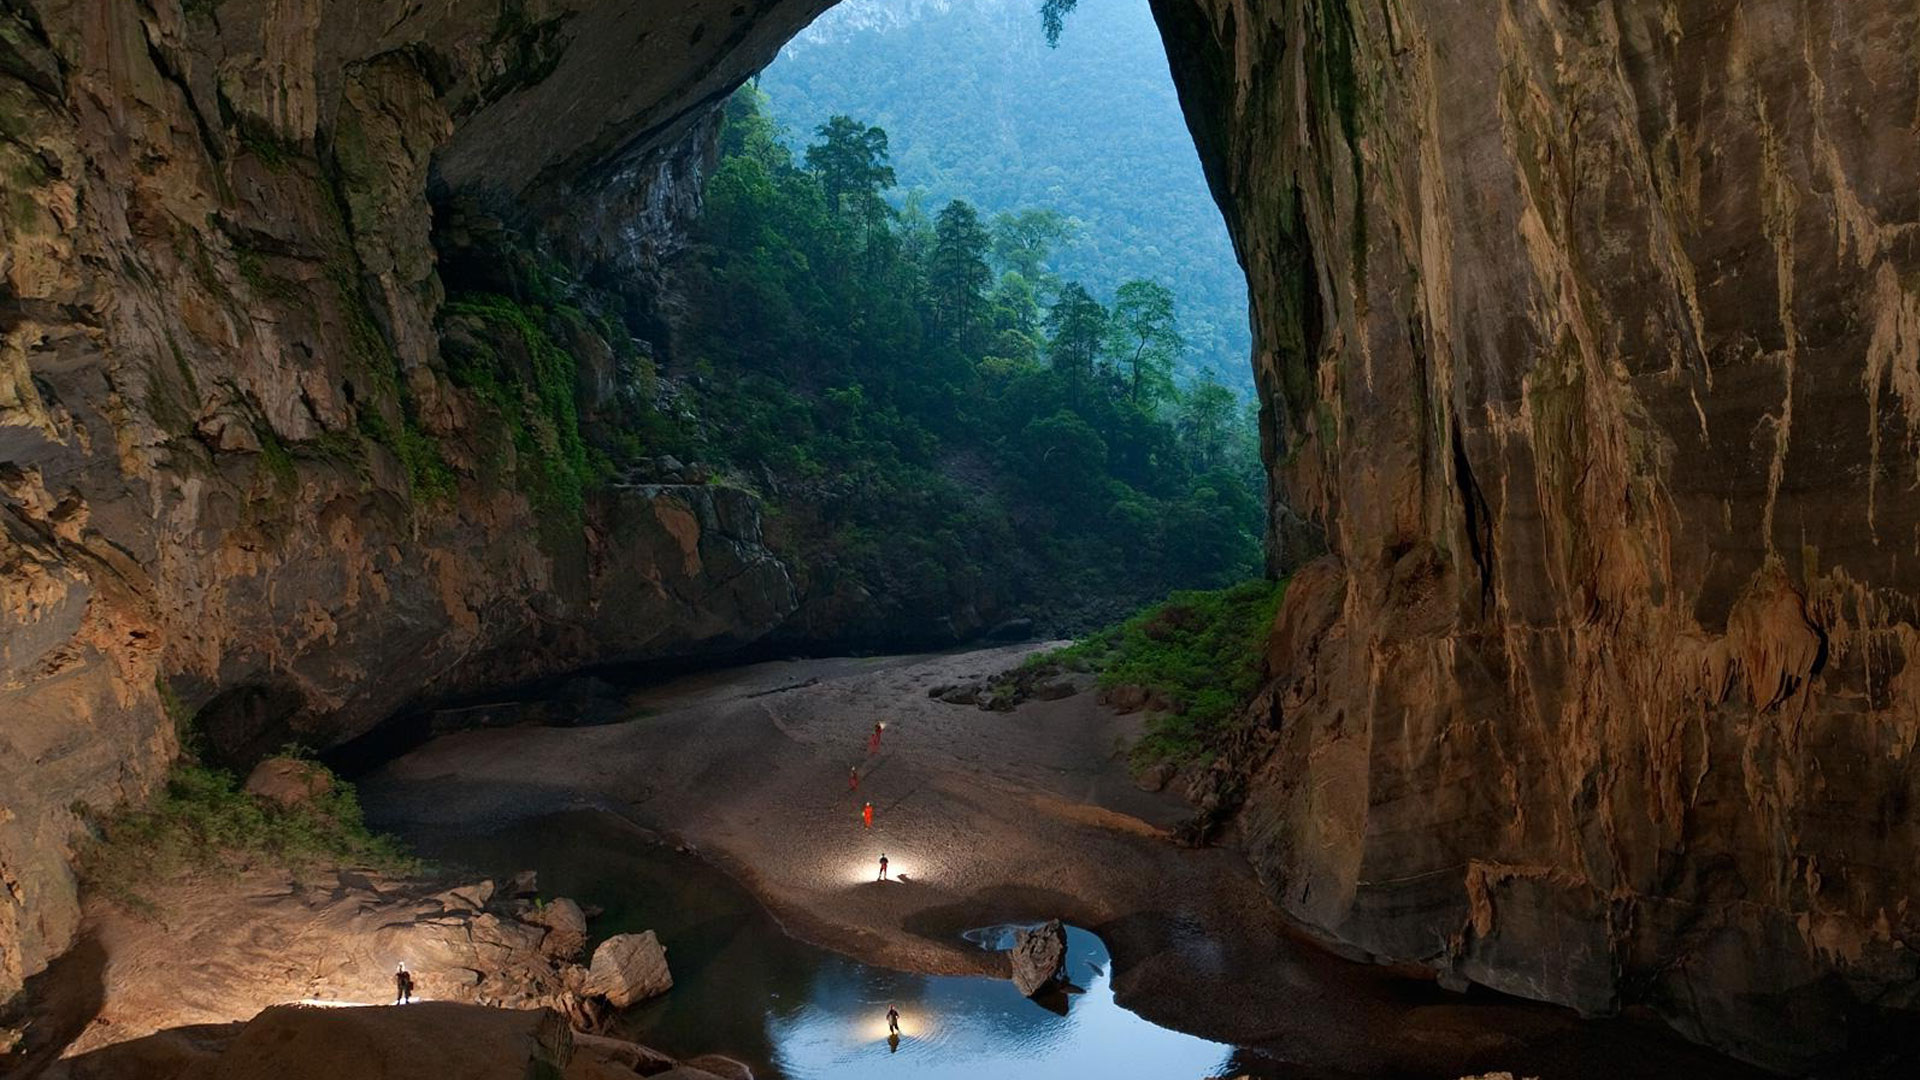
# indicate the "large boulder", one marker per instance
pixel 566 927
pixel 1038 956
pixel 288 782
pixel 718 1065
pixel 295 1042
pixel 628 968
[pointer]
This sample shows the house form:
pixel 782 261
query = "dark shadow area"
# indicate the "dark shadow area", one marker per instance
pixel 55 1007
pixel 163 1055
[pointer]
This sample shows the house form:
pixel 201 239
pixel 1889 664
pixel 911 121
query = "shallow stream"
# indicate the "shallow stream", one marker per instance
pixel 791 1011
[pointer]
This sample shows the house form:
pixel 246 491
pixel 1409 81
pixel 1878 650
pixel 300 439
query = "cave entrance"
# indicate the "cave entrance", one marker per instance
pixel 973 318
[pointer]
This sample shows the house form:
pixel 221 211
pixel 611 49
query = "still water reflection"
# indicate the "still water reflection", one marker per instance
pixel 743 988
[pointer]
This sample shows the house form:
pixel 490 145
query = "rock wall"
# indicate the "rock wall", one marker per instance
pixel 237 481
pixel 1589 339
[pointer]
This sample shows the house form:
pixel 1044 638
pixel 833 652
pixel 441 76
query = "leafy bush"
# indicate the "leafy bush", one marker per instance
pixel 204 820
pixel 1200 652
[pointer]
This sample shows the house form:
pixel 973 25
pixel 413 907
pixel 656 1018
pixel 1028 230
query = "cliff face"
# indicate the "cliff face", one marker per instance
pixel 237 479
pixel 1590 340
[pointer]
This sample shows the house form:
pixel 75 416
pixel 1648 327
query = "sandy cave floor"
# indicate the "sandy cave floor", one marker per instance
pixel 986 817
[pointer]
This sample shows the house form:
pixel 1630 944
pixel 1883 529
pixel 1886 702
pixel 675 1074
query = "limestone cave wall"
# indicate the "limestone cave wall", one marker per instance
pixel 1589 340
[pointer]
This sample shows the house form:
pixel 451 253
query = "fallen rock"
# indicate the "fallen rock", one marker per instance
pixel 566 927
pixel 628 968
pixel 472 897
pixel 1155 777
pixel 1038 956
pixel 288 781
pixel 294 1042
pixel 1012 630
pixel 718 1065
pixel 1064 686
pixel 619 1053
pixel 523 885
pixel 956 695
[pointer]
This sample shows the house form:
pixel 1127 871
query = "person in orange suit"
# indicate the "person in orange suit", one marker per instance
pixel 867 814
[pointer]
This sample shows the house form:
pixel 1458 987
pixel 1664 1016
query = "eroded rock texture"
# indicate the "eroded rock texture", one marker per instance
pixel 1590 339
pixel 219 364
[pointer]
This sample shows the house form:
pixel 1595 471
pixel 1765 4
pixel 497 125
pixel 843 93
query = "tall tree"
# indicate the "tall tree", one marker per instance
pixel 851 161
pixel 1146 338
pixel 1207 414
pixel 1076 326
pixel 1023 239
pixel 1053 18
pixel 958 274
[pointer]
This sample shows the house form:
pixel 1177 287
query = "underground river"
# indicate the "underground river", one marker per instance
pixel 786 952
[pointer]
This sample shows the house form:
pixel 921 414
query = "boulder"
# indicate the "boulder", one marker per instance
pixel 523 885
pixel 723 1067
pixel 288 782
pixel 1039 955
pixel 433 1038
pixel 1012 630
pixel 628 968
pixel 474 897
pixel 620 1053
pixel 566 927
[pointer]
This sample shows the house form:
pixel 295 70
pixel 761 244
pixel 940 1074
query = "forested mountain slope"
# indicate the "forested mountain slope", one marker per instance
pixel 978 107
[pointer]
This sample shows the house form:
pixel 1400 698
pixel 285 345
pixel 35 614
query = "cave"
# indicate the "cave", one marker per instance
pixel 1586 340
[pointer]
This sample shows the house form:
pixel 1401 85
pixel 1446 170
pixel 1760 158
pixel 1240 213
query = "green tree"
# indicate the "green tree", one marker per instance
pixel 750 133
pixel 1146 338
pixel 1023 239
pixel 958 274
pixel 1207 414
pixel 1076 326
pixel 1053 18
pixel 851 161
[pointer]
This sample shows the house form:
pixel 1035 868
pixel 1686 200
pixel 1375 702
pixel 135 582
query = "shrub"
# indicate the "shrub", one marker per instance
pixel 203 820
pixel 1199 651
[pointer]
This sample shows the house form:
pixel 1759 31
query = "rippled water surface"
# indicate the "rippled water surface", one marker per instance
pixel 743 988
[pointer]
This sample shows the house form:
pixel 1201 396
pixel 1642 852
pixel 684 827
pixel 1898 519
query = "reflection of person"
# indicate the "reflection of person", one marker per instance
pixel 853 778
pixel 873 744
pixel 893 1043
pixel 883 877
pixel 893 1020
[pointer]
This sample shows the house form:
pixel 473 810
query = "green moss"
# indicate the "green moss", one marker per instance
pixel 177 712
pixel 185 369
pixel 203 820
pixel 272 151
pixel 532 388
pixel 275 461
pixel 428 474
pixel 1201 651
pixel 263 283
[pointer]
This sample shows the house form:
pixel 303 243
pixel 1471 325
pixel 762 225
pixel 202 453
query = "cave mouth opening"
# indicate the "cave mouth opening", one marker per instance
pixel 960 306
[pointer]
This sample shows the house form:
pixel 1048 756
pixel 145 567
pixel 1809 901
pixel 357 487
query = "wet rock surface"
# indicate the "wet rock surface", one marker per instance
pixel 1038 957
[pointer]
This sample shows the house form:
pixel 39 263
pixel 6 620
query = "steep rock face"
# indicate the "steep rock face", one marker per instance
pixel 1589 336
pixel 238 481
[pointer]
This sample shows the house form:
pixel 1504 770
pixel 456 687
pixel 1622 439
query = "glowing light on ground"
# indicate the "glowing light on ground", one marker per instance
pixel 861 873
pixel 914 1023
